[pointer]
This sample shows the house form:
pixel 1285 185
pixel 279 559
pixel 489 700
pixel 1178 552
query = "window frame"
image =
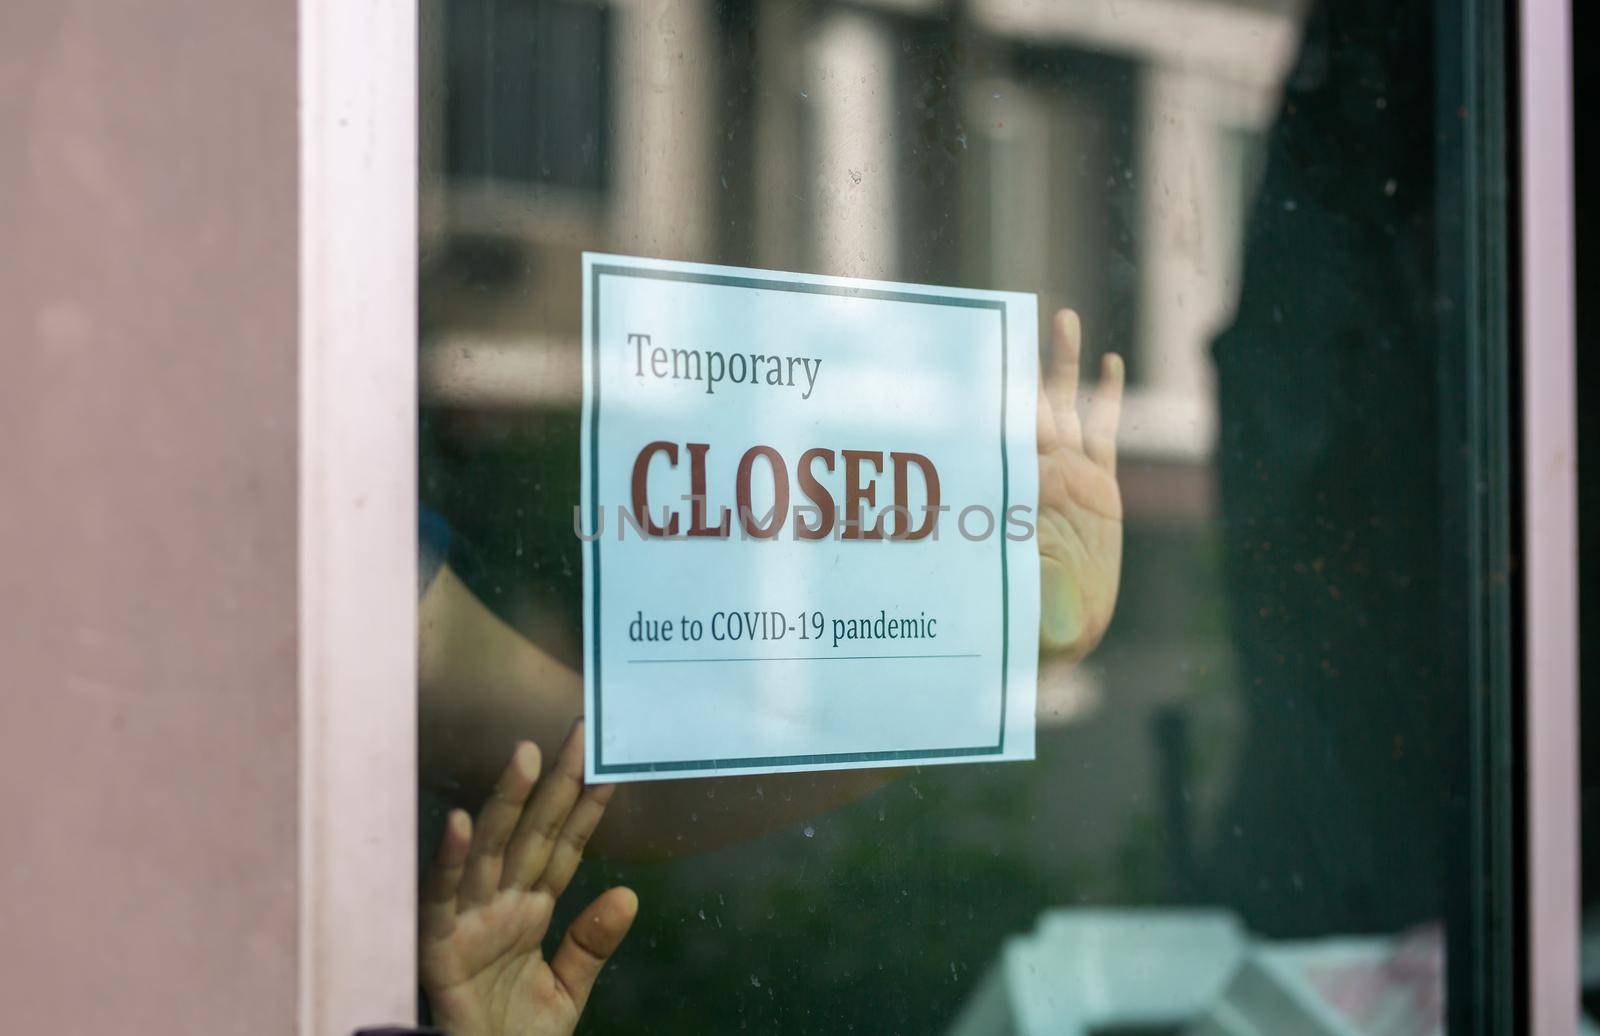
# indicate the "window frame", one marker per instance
pixel 358 504
pixel 1549 543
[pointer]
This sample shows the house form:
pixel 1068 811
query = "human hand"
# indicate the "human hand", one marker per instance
pixel 1080 506
pixel 488 899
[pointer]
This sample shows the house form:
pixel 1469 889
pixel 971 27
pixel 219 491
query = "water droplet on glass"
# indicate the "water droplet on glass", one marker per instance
pixel 702 915
pixel 810 832
pixel 755 982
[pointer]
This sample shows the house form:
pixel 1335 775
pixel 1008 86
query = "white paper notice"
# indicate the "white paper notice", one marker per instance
pixel 814 500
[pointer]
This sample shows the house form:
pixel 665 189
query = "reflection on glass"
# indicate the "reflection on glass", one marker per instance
pixel 1253 803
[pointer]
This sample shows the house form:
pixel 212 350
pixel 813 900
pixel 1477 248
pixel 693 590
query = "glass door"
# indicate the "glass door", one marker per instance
pixel 1268 786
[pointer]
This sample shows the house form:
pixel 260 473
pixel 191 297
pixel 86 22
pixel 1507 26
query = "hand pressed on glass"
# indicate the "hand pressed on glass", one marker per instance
pixel 1080 505
pixel 488 899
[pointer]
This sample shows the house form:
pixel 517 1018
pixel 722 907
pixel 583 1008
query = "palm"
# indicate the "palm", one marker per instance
pixel 1080 505
pixel 489 901
pixel 490 974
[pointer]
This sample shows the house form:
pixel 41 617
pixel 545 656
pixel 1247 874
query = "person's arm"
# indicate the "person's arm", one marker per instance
pixel 483 685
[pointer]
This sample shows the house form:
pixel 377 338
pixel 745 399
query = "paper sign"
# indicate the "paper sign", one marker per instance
pixel 809 506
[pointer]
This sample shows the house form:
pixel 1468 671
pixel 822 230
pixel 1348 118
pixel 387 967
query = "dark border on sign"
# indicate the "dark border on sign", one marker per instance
pixel 596 271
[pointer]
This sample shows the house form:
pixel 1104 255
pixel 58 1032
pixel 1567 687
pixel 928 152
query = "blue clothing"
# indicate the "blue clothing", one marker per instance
pixel 433 544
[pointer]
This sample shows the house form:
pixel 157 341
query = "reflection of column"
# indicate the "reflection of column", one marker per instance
pixel 781 214
pixel 1010 187
pixel 1184 285
pixel 665 170
pixel 849 84
pixel 1196 133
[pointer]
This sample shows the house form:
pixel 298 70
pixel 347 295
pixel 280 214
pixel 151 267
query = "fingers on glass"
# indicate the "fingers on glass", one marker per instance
pixel 496 823
pixel 1067 334
pixel 436 913
pixel 530 834
pixel 590 942
pixel 574 836
pixel 546 815
pixel 1105 413
pixel 1049 436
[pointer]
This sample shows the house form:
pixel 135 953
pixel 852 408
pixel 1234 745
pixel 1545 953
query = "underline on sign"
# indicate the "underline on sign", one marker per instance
pixel 794 658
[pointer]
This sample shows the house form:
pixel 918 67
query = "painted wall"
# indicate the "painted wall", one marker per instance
pixel 148 738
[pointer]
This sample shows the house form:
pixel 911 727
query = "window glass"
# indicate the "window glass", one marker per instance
pixel 1274 793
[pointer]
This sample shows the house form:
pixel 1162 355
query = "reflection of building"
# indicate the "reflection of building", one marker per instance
pixel 1103 163
pixel 1100 154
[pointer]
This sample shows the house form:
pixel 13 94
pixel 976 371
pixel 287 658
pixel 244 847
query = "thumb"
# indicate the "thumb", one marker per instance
pixel 591 940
